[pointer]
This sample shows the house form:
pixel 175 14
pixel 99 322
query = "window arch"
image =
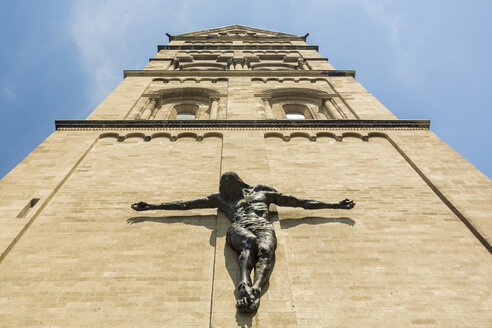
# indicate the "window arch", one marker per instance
pixel 185 111
pixel 203 66
pixel 295 116
pixel 296 111
pixel 184 103
pixel 285 103
pixel 273 66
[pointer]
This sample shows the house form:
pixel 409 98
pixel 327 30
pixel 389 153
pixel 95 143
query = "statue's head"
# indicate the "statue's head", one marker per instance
pixel 231 186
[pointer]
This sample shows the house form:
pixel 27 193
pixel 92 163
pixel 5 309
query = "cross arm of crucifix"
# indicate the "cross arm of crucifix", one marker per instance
pixel 211 201
pixel 309 204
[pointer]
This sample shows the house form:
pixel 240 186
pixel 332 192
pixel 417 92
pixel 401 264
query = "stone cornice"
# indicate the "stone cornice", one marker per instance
pixel 169 59
pixel 234 47
pixel 234 28
pixel 242 124
pixel 255 73
pixel 244 37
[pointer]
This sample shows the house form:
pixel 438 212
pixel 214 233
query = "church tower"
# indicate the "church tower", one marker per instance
pixel 414 251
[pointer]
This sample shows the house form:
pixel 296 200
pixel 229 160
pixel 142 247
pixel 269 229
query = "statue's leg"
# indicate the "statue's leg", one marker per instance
pixel 267 244
pixel 244 242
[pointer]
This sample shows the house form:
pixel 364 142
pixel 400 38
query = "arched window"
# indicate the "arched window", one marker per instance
pixel 184 103
pixel 296 111
pixel 186 111
pixel 283 103
pixel 203 66
pixel 185 116
pixel 273 66
pixel 295 116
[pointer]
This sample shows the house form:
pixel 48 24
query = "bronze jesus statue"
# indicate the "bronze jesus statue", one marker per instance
pixel 251 234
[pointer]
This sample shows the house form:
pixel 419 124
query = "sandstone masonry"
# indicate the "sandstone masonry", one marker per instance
pixel 414 252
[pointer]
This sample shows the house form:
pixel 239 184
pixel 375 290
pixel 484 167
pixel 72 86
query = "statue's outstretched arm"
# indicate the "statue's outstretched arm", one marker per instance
pixel 210 201
pixel 309 204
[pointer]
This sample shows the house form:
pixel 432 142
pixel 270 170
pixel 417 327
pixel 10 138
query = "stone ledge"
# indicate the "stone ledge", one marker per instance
pixel 232 38
pixel 224 73
pixel 170 58
pixel 235 47
pixel 242 124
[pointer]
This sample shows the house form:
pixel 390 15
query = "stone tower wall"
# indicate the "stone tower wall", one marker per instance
pixel 415 251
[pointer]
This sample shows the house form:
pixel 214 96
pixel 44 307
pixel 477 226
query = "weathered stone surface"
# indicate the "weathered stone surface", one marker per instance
pixel 401 258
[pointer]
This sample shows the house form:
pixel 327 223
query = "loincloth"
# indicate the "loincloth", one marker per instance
pixel 258 226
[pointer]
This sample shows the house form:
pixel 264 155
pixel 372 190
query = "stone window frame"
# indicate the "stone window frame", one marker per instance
pixel 274 100
pixel 273 66
pixel 185 108
pixel 203 66
pixel 172 107
pixel 201 61
pixel 295 107
pixel 162 103
pixel 309 107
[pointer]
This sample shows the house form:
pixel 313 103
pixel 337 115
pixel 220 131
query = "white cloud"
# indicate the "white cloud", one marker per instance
pixel 103 32
pixel 400 36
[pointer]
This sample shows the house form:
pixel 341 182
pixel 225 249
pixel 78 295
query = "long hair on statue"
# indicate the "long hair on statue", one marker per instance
pixel 231 186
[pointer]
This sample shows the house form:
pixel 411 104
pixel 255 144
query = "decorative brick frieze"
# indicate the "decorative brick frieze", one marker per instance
pixel 244 124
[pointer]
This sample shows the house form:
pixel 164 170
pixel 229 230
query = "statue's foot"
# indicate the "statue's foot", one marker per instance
pixel 253 307
pixel 256 291
pixel 247 302
pixel 248 306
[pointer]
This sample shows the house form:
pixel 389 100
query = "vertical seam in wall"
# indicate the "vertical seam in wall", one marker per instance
pixel 267 157
pixel 278 218
pixel 443 198
pixel 46 202
pixel 215 236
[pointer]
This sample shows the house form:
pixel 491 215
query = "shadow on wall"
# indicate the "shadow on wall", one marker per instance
pixel 291 223
pixel 230 255
pixel 207 221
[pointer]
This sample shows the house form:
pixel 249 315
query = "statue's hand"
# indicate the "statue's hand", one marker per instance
pixel 140 206
pixel 346 204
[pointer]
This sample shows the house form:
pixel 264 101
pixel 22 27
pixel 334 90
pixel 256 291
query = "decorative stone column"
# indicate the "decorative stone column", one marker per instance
pixel 238 65
pixel 332 110
pixel 175 65
pixel 149 109
pixel 214 108
pixel 344 109
pixel 140 107
pixel 268 109
pixel 170 67
pixel 303 65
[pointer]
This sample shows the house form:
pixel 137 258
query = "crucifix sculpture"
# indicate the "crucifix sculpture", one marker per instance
pixel 251 234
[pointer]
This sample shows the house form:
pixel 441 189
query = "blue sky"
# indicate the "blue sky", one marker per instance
pixel 421 59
